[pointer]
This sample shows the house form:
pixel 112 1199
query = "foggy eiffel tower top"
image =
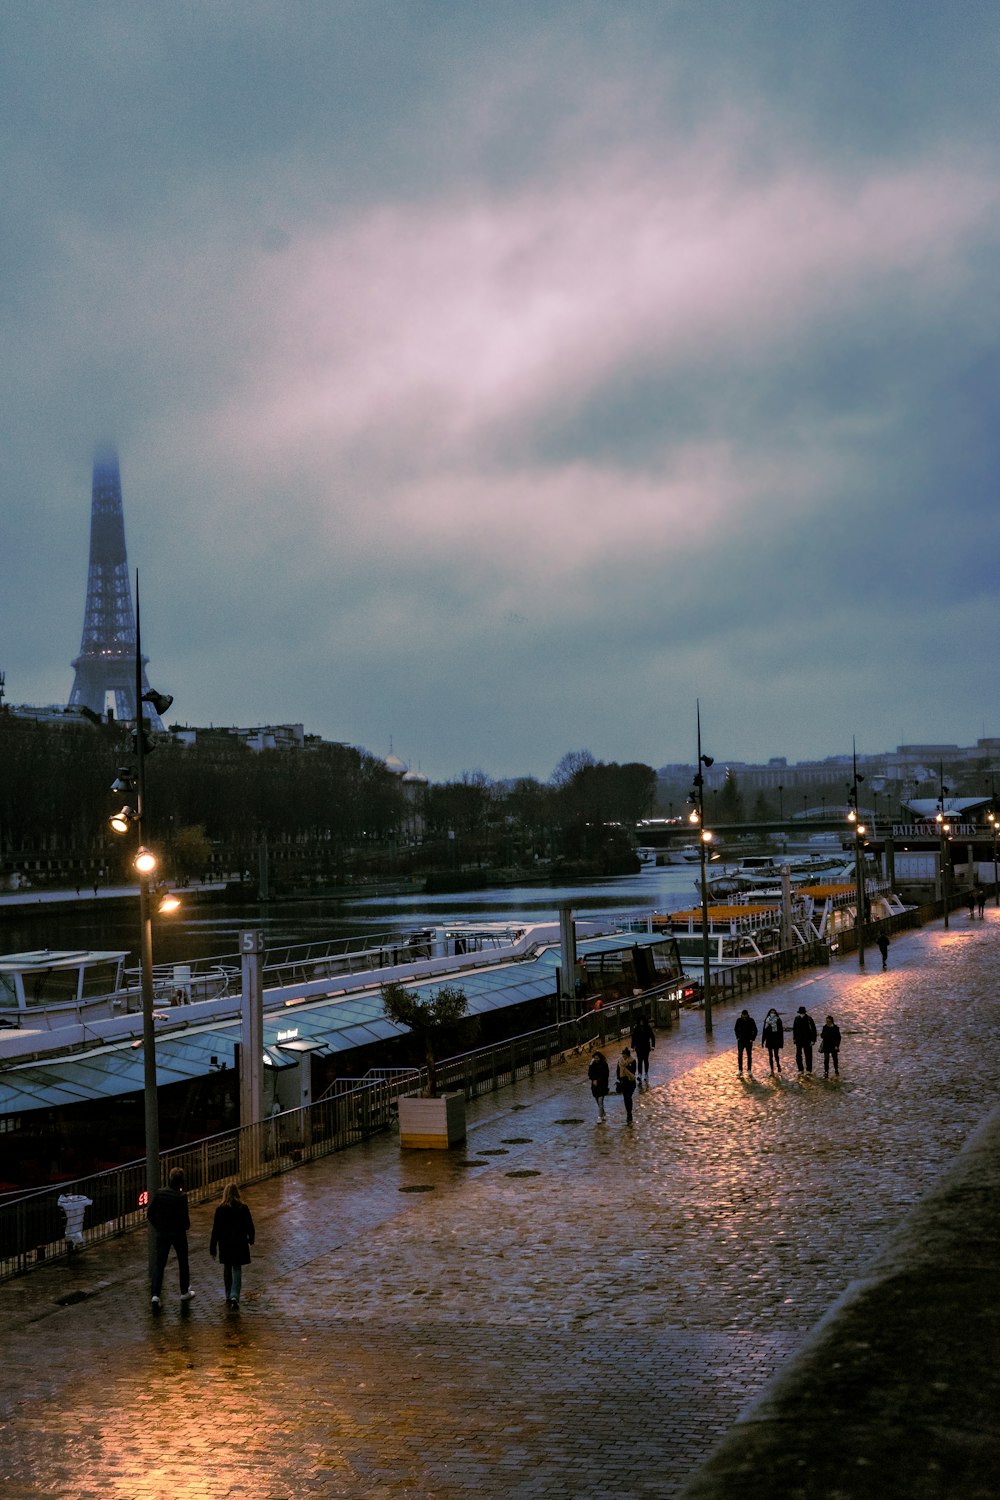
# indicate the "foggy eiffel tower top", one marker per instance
pixel 105 668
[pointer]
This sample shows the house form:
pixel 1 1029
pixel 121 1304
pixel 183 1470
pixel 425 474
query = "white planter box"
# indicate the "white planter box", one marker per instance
pixel 432 1124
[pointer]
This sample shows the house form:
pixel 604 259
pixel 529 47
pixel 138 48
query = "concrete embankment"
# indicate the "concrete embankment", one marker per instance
pixel 897 1391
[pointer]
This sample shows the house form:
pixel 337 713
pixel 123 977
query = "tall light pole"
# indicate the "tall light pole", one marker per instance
pixel 145 864
pixel 704 840
pixel 861 895
pixel 944 853
pixel 991 818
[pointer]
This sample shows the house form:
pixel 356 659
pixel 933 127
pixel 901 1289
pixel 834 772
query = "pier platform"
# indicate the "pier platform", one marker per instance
pixel 747 1290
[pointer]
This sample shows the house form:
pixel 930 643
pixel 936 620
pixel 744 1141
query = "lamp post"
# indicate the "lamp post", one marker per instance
pixel 944 860
pixel 861 895
pixel 145 864
pixel 991 818
pixel 704 840
pixel 944 855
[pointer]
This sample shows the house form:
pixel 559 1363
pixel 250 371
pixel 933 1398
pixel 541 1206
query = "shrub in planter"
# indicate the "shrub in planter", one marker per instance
pixel 429 1020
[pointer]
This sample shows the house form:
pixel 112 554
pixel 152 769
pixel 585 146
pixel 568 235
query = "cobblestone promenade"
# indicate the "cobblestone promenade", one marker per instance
pixel 565 1309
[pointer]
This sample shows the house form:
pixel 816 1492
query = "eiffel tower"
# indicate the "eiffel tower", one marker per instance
pixel 106 666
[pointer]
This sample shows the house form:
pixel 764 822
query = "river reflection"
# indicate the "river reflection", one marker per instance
pixel 209 930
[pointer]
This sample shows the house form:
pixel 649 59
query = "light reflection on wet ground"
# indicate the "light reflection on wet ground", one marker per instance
pixel 594 1326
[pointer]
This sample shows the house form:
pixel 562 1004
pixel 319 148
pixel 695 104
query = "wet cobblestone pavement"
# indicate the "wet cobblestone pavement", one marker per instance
pixel 563 1309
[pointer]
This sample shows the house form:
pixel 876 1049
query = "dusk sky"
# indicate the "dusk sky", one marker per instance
pixel 495 380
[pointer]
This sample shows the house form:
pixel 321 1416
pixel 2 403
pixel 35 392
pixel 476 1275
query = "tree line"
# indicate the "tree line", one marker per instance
pixel 325 813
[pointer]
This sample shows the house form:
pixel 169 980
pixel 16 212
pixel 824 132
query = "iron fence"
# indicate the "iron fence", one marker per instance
pixel 38 1226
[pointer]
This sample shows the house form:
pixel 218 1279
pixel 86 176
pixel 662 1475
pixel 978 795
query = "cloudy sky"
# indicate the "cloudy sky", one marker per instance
pixel 493 380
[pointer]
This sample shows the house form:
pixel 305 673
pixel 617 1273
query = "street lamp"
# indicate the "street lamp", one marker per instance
pixel 697 815
pixel 991 818
pixel 861 896
pixel 132 784
pixel 944 854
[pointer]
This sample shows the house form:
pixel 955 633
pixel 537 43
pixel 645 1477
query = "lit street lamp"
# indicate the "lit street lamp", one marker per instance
pixel 131 816
pixel 697 815
pixel 992 819
pixel 861 896
pixel 944 853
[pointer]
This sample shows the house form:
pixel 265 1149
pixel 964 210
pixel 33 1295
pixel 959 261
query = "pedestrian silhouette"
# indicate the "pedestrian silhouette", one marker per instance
pixel 746 1031
pixel 625 1075
pixel 643 1042
pixel 883 947
pixel 829 1045
pixel 773 1036
pixel 232 1235
pixel 168 1213
pixel 599 1074
pixel 803 1035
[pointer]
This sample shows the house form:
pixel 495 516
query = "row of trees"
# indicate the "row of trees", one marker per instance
pixel 324 810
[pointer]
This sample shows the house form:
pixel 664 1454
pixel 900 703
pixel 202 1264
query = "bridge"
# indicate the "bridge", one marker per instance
pixel 661 833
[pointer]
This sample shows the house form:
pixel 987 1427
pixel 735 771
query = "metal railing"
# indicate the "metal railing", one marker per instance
pixel 34 1226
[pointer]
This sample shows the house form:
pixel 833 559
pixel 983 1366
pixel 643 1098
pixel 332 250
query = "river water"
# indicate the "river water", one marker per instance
pixel 210 929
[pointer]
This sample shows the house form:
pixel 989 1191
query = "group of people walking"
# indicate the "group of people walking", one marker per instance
pixel 232 1235
pixel 772 1035
pixel 631 1069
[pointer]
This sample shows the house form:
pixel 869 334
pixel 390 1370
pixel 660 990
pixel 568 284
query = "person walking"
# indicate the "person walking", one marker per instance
pixel 643 1042
pixel 883 947
pixel 772 1034
pixel 829 1045
pixel 232 1235
pixel 803 1035
pixel 981 900
pixel 599 1074
pixel 169 1215
pixel 746 1032
pixel 625 1075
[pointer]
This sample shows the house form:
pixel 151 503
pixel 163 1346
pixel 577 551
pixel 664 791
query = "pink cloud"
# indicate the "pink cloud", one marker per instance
pixel 454 319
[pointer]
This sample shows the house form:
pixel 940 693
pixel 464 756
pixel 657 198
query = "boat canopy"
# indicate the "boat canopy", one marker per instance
pixel 334 1023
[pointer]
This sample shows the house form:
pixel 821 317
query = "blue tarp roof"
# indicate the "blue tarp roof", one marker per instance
pixel 334 1025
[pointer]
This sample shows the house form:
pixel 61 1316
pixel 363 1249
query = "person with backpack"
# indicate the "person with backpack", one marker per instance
pixel 829 1045
pixel 803 1035
pixel 773 1036
pixel 746 1032
pixel 625 1075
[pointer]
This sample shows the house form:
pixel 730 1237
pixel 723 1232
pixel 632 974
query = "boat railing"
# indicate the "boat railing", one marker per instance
pixel 221 979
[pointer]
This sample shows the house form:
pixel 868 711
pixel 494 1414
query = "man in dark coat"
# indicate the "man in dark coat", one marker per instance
pixel 883 947
pixel 169 1216
pixel 803 1035
pixel 643 1042
pixel 746 1031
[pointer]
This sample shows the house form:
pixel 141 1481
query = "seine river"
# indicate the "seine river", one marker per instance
pixel 210 929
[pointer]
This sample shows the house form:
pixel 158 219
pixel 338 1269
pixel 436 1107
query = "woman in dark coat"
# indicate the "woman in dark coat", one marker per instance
pixel 773 1036
pixel 232 1236
pixel 599 1074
